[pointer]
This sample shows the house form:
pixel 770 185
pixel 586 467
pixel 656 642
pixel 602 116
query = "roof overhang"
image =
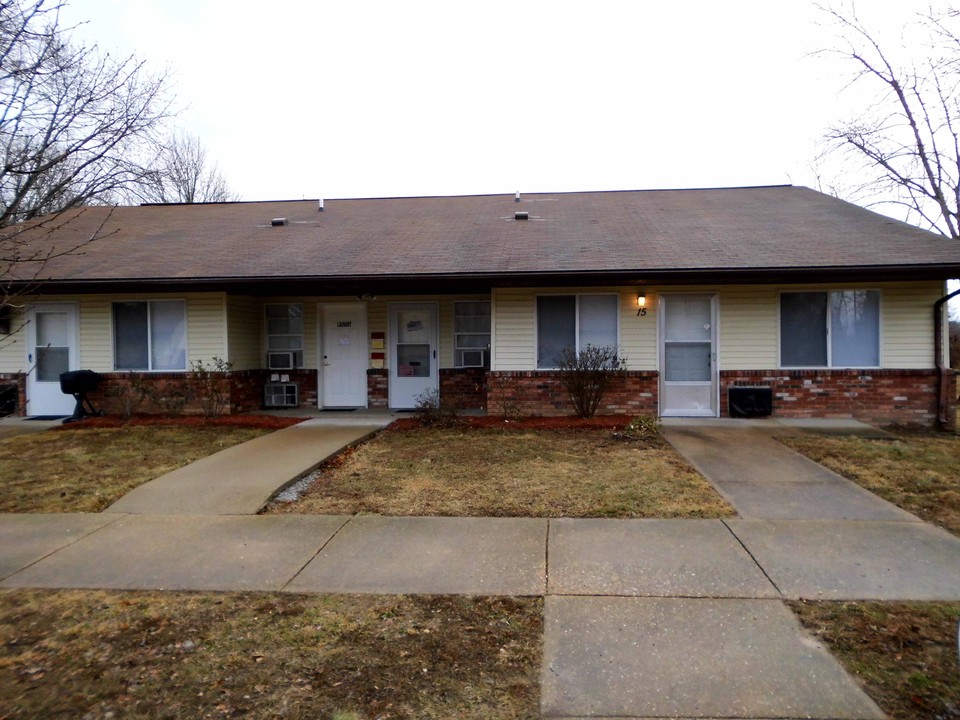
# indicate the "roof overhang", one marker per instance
pixel 483 282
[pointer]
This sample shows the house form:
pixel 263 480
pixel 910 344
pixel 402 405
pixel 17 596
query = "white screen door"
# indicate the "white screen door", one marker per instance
pixel 688 367
pixel 51 350
pixel 413 353
pixel 343 349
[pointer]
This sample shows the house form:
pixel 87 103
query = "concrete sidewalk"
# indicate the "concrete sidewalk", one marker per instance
pixel 642 618
pixel 765 480
pixel 747 559
pixel 241 479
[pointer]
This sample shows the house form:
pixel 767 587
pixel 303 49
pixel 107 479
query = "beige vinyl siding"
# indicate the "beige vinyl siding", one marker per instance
pixel 907 325
pixel 206 328
pixel 515 312
pixel 749 322
pixel 638 333
pixel 96 332
pixel 13 347
pixel 514 345
pixel 244 342
pixel 748 319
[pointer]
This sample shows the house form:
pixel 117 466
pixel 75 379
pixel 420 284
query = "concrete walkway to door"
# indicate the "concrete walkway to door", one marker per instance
pixel 241 479
pixel 765 480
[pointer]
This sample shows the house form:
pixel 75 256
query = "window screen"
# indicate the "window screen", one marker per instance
pixel 830 329
pixel 150 335
pixel 574 321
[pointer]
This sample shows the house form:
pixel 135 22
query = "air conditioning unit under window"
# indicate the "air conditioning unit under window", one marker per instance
pixel 280 360
pixel 472 358
pixel 279 395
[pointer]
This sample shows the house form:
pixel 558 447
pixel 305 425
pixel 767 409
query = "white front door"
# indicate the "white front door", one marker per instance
pixel 413 353
pixel 343 352
pixel 688 355
pixel 51 350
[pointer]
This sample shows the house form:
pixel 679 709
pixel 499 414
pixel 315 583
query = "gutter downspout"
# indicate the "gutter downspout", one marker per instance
pixel 942 399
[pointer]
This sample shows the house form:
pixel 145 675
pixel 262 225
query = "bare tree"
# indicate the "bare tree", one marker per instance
pixel 183 174
pixel 906 144
pixel 73 121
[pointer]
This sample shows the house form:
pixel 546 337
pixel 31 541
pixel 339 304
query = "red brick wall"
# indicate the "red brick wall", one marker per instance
pixel 246 388
pixel 881 397
pixel 243 389
pixel 465 388
pixel 540 392
pixel 377 389
pixel 20 380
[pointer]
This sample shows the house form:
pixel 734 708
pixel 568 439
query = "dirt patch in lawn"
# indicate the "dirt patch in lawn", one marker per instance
pixel 173 655
pixel 517 473
pixel 919 472
pixel 903 654
pixel 87 469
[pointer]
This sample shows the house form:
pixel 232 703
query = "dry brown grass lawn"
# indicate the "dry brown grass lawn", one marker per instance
pixel 85 470
pixel 180 655
pixel 904 654
pixel 918 472
pixel 493 472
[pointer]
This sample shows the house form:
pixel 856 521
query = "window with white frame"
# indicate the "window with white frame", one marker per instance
pixel 150 335
pixel 573 322
pixel 839 328
pixel 284 334
pixel 471 334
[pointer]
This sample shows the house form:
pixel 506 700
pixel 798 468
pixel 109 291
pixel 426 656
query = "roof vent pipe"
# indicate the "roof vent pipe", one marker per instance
pixel 320 208
pixel 278 222
pixel 516 198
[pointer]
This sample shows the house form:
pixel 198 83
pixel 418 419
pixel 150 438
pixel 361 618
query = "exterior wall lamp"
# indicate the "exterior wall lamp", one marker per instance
pixel 641 303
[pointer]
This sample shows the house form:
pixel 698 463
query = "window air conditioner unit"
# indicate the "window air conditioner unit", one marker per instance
pixel 280 360
pixel 280 395
pixel 473 358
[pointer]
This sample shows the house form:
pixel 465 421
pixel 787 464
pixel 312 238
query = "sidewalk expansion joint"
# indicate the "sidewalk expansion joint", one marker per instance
pixel 622 596
pixel 283 588
pixel 756 562
pixel 118 517
pixel 546 562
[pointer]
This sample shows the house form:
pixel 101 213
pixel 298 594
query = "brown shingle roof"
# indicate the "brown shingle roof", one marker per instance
pixel 655 234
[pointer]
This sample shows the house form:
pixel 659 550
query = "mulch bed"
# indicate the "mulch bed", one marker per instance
pixel 267 422
pixel 271 422
pixel 603 422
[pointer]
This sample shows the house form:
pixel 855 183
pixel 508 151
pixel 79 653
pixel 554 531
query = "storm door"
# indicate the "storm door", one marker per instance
pixel 413 353
pixel 688 355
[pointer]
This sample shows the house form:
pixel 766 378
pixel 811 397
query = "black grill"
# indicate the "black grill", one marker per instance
pixel 78 383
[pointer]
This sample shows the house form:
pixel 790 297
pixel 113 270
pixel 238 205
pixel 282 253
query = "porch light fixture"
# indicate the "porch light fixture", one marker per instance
pixel 641 303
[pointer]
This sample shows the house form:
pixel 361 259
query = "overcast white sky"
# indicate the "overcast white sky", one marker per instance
pixel 367 99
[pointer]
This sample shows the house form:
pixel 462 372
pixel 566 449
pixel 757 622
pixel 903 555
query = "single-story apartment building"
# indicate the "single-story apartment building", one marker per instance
pixel 830 309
